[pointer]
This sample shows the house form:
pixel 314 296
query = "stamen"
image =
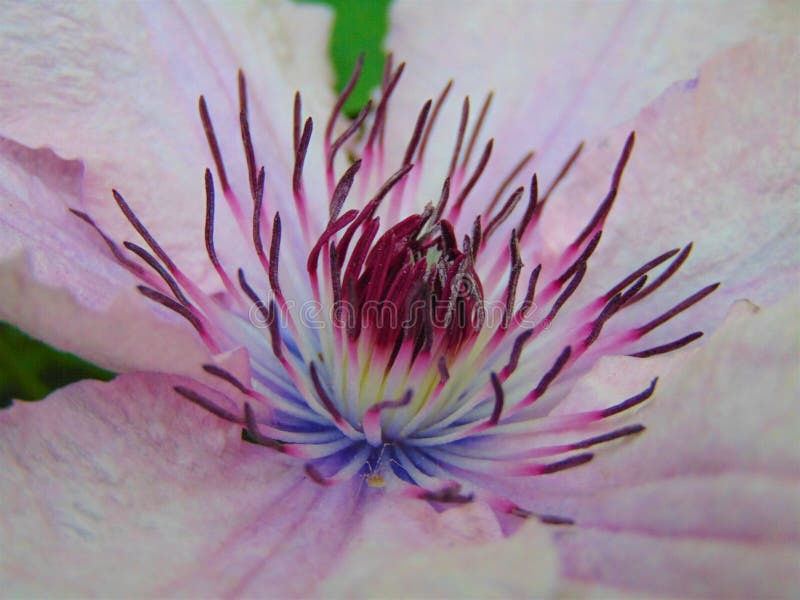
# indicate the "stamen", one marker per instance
pixel 346 135
pixel 582 259
pixel 610 310
pixel 251 426
pixel 513 279
pixel 499 397
pixel 247 141
pixel 680 343
pixel 269 314
pixel 209 234
pixel 118 254
pixel 297 119
pixel 171 304
pixel 300 157
pixel 274 256
pixel 567 463
pixel 546 519
pixel 162 272
pixel 507 181
pixel 257 209
pixel 213 145
pixel 416 135
pixel 665 276
pixel 142 231
pixel 429 127
pixel 372 417
pixel 487 152
pixel 645 268
pixel 504 213
pixel 443 198
pixel 342 190
pixel 367 212
pixel 324 397
pixel 226 375
pixel 605 207
pixel 477 129
pixel 207 404
pixel 477 237
pixel 607 437
pixel 677 309
pixel 331 230
pixel 630 402
pixel 380 111
pixel 448 495
pixel 565 169
pixel 568 291
pixel 527 303
pixel 341 100
pixel 552 373
pixel 516 352
pixel 462 128
pixel 336 281
pixel 316 476
pixel 530 209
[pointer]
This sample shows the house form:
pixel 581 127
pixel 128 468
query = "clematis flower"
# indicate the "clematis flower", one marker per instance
pixel 425 370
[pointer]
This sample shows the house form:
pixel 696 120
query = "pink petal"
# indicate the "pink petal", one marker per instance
pixel 119 90
pixel 704 502
pixel 127 489
pixel 715 162
pixel 561 71
pixel 60 283
pixel 407 550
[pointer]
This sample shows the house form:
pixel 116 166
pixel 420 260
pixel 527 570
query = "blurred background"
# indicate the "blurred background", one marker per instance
pixel 29 369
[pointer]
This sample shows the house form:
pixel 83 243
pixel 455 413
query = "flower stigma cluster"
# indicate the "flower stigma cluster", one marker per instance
pixel 443 323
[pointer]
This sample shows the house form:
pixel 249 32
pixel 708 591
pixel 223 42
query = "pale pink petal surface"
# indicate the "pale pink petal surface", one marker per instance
pixel 130 472
pixel 705 501
pixel 563 71
pixel 112 96
pixel 61 284
pixel 460 553
pixel 126 488
pixel 716 162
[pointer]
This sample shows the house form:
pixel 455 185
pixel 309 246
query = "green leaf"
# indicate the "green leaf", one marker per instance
pixel 29 369
pixel 359 26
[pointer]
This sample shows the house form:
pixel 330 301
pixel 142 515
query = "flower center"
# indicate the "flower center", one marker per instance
pixel 411 372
